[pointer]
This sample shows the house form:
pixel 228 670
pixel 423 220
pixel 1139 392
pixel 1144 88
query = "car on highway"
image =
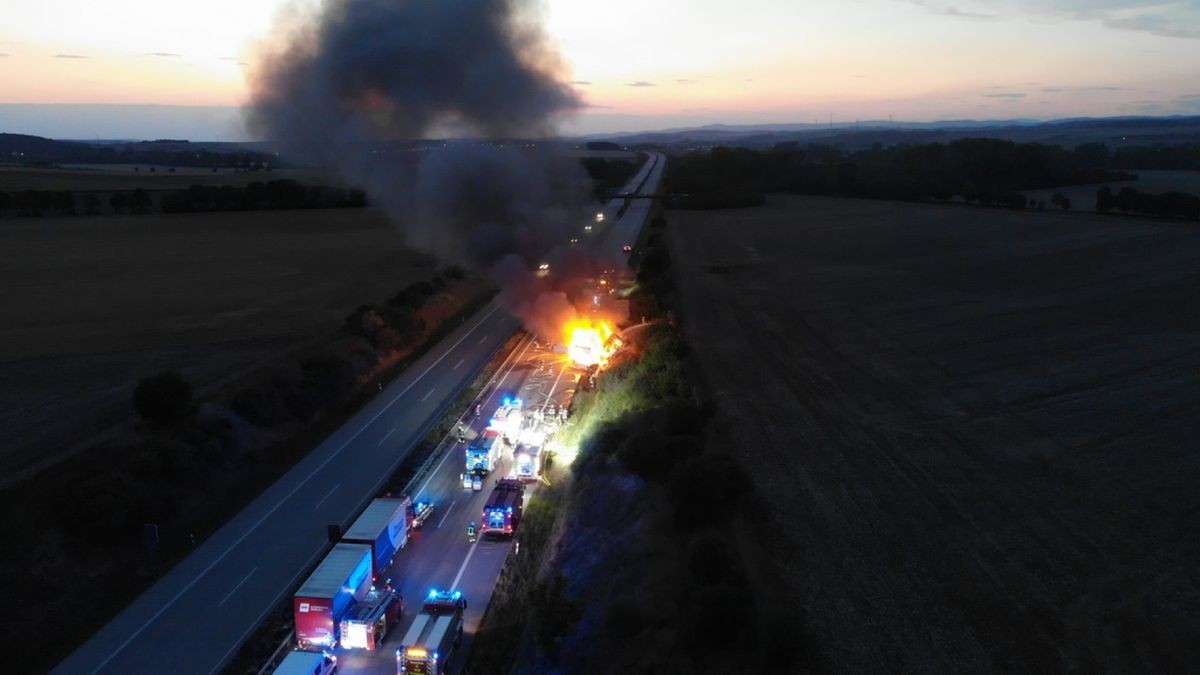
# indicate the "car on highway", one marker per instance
pixel 599 217
pixel 628 248
pixel 543 269
pixel 587 228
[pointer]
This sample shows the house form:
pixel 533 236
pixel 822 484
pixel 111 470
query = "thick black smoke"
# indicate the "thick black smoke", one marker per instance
pixel 357 73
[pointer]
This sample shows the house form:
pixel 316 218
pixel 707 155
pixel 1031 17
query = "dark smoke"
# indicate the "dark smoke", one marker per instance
pixel 359 73
pixel 403 69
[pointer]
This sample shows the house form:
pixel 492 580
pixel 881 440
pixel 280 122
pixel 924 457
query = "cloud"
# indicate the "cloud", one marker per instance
pixel 1012 96
pixel 596 106
pixel 581 83
pixel 3 55
pixel 1158 24
pixel 641 83
pixel 1167 18
pixel 1060 90
pixel 953 11
pixel 69 56
pixel 685 82
pixel 165 55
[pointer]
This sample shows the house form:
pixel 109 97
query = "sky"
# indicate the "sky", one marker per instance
pixel 641 64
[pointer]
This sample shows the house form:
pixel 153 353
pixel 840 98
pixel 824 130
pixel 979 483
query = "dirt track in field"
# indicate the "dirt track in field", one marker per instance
pixel 979 430
pixel 90 305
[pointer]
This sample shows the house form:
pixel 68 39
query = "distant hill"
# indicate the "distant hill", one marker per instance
pixel 1115 131
pixel 34 150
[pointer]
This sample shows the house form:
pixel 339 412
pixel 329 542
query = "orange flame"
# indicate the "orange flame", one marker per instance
pixel 589 343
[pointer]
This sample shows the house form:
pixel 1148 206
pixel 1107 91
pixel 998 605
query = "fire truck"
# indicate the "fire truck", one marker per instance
pixel 527 462
pixel 369 622
pixel 502 513
pixel 437 630
pixel 481 458
pixel 508 418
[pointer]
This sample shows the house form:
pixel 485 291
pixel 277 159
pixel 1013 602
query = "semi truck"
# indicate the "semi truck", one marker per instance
pixel 307 663
pixel 384 526
pixel 437 630
pixel 342 579
pixel 527 462
pixel 502 512
pixel 368 623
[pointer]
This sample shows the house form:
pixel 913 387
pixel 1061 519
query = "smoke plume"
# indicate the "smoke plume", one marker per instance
pixel 341 84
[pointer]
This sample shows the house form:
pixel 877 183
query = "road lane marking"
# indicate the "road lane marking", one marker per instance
pixel 237 542
pixel 458 577
pixel 448 508
pixel 327 496
pixel 429 394
pixel 234 590
pixel 460 362
pixel 385 436
pixel 485 337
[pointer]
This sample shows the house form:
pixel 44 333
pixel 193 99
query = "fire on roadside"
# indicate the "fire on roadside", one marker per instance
pixel 590 343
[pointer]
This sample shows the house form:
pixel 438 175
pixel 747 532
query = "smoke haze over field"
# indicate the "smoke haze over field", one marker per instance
pixel 358 71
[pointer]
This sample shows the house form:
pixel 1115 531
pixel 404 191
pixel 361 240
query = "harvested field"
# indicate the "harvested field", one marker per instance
pixel 93 304
pixel 977 429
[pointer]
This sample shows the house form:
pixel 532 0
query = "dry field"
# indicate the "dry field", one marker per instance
pixel 90 305
pixel 977 429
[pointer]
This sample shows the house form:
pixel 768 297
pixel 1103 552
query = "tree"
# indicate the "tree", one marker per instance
pixel 1105 200
pixel 91 205
pixel 162 399
pixel 1061 201
pixel 140 202
pixel 119 201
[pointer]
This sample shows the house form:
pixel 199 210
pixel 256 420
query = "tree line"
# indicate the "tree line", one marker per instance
pixel 986 171
pixel 256 196
pixel 1164 205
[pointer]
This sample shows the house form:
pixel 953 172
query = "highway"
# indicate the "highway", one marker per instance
pixel 194 618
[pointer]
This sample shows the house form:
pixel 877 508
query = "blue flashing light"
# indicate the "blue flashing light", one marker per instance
pixel 505 401
pixel 457 595
pixel 510 509
pixel 517 402
pixel 433 593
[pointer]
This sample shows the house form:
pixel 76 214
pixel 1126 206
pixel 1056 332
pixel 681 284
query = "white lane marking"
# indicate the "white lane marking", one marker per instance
pixel 327 496
pixel 460 362
pixel 448 509
pixel 445 456
pixel 429 394
pixel 320 467
pixel 458 577
pixel 482 339
pixel 549 396
pixel 234 589
pixel 385 436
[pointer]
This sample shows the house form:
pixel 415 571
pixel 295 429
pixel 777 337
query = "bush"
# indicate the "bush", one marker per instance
pixel 162 399
pixel 455 273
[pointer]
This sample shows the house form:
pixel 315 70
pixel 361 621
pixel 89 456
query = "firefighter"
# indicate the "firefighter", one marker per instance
pixel 471 532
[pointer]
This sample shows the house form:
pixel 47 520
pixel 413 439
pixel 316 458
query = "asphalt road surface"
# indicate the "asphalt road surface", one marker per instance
pixel 194 619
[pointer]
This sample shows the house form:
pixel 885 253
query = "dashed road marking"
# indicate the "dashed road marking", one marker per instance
pixel 234 589
pixel 327 496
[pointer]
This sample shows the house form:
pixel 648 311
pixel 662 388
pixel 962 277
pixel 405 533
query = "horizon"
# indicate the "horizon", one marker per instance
pixel 188 118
